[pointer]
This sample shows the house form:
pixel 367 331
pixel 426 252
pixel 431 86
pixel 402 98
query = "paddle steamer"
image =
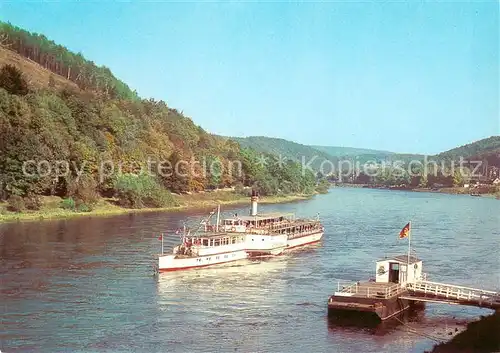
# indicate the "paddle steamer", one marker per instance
pixel 240 237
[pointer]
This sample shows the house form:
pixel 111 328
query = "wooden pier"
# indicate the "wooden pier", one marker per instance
pixel 426 291
pixel 399 285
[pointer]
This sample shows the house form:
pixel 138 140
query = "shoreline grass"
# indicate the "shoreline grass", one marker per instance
pixel 51 209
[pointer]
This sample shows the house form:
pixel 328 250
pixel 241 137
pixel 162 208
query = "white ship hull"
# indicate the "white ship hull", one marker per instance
pixel 304 240
pixel 175 263
pixel 253 245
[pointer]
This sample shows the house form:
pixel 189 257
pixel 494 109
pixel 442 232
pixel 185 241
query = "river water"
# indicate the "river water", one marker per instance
pixel 87 284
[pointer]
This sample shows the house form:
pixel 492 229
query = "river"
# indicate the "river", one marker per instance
pixel 87 284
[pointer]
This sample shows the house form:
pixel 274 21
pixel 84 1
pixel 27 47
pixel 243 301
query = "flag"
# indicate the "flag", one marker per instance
pixel 405 231
pixel 160 237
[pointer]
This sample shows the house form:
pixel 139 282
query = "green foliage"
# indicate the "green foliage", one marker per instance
pixel 323 186
pixel 83 207
pixel 458 179
pixel 84 191
pixel 138 191
pixel 68 204
pixel 11 79
pixel 15 204
pixel 239 189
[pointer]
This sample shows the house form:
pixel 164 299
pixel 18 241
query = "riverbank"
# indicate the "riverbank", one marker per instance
pixel 479 336
pixel 445 190
pixel 51 206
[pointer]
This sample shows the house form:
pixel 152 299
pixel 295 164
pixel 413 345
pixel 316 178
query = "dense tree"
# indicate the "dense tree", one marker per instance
pixel 12 80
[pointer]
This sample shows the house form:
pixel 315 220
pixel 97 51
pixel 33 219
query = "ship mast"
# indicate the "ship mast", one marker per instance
pixel 218 217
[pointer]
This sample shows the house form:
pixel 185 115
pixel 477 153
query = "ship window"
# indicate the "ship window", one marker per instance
pixel 233 240
pixel 205 242
pixel 225 256
pixel 217 258
pixel 216 242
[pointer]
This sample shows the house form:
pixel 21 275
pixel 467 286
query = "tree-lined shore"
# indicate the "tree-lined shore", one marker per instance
pixel 70 129
pixel 51 206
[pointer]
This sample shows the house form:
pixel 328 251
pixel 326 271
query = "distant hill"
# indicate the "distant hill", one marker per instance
pixel 337 151
pixel 334 154
pixel 285 149
pixel 487 149
pixel 487 146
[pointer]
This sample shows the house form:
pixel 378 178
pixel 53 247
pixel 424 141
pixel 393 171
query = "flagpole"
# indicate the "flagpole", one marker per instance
pixel 409 247
pixel 162 243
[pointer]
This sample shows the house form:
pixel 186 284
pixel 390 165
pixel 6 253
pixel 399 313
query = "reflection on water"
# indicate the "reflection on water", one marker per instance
pixel 87 284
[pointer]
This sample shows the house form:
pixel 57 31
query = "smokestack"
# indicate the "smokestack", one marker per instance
pixel 255 200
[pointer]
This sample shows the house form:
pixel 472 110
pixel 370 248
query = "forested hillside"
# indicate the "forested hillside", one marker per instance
pixel 486 149
pixel 83 143
pixel 59 60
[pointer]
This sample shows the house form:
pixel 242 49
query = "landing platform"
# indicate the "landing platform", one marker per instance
pixel 375 299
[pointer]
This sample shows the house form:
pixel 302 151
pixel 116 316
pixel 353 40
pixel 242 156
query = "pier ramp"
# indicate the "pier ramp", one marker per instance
pixel 435 292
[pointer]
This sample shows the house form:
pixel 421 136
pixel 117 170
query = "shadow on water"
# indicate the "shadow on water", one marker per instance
pixel 371 324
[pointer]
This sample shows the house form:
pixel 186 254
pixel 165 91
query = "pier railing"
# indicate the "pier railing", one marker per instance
pixel 369 291
pixel 453 292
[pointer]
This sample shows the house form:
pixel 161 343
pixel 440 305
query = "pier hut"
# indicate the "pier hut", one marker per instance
pixel 398 285
pixel 398 269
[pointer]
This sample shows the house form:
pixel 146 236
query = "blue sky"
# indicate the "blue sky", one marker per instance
pixel 405 77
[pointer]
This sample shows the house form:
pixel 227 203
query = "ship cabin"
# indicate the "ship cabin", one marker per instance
pixel 242 224
pixel 209 243
pixel 396 269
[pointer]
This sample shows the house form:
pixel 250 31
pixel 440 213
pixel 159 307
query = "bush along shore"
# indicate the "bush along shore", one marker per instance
pixel 480 336
pixel 54 207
